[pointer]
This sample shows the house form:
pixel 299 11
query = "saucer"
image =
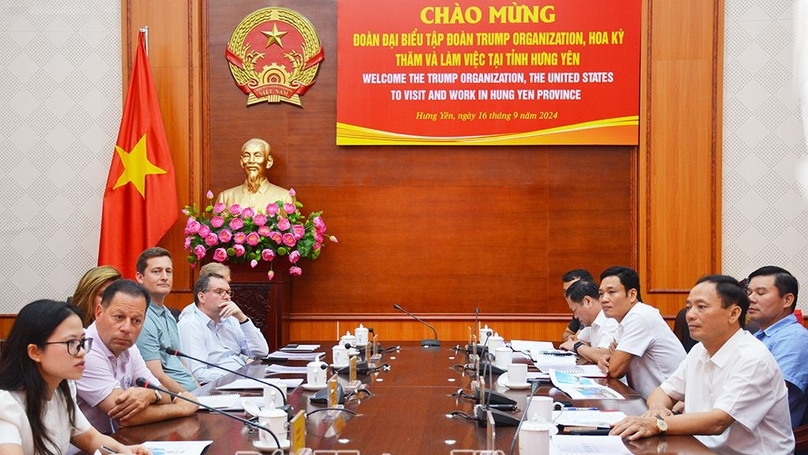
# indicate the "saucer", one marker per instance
pixel 285 444
pixel 313 387
pixel 517 386
pixel 334 366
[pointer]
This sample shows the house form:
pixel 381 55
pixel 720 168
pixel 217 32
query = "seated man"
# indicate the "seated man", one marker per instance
pixel 598 333
pixel 215 329
pixel 571 332
pixel 735 398
pixel 106 392
pixel 646 351
pixel 772 300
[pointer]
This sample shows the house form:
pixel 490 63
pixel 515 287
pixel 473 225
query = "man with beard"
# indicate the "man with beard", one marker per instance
pixel 256 191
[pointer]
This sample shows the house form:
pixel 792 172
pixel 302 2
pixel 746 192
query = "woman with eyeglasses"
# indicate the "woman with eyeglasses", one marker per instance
pixel 43 355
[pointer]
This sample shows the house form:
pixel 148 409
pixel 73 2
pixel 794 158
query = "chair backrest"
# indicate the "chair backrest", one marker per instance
pixel 681 331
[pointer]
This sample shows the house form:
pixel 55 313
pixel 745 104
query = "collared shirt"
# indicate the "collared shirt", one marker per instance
pixel 266 194
pixel 601 333
pixel 787 340
pixel 226 343
pixel 103 373
pixel 160 331
pixel 15 428
pixel 656 350
pixel 743 380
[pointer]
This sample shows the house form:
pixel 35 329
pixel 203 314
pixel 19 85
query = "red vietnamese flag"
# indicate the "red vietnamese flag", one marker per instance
pixel 140 201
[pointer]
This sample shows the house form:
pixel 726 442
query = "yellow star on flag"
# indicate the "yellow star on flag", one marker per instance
pixel 274 36
pixel 136 167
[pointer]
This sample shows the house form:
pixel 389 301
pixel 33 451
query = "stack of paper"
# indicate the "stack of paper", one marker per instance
pixel 581 388
pixel 573 445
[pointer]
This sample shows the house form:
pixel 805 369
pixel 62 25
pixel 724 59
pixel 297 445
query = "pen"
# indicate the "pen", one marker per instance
pixel 581 409
pixel 107 449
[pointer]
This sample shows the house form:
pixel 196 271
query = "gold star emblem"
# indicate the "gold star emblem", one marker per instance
pixel 136 167
pixel 274 37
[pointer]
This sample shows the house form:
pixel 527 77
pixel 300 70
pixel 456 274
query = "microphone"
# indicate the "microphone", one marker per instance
pixel 143 382
pixel 171 351
pixel 534 387
pixel 427 343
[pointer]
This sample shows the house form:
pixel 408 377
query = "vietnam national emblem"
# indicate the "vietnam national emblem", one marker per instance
pixel 274 54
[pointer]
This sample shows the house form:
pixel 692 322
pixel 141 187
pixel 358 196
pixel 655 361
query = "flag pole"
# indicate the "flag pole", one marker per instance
pixel 145 30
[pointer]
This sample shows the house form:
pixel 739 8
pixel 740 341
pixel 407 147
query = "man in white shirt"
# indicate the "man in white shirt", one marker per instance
pixel 646 350
pixel 598 332
pixel 214 328
pixel 736 401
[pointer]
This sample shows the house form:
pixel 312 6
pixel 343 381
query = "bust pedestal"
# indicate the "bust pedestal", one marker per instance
pixel 266 302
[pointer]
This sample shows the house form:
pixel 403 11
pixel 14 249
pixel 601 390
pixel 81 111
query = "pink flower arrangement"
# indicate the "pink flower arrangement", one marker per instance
pixel 245 235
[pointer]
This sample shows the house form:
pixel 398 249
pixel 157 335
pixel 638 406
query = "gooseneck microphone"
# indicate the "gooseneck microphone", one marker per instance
pixel 427 343
pixel 171 351
pixel 143 382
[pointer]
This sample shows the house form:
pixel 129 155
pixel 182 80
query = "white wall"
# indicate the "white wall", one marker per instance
pixel 765 124
pixel 60 105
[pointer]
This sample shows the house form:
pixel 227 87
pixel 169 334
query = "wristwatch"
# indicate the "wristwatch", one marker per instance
pixel 158 397
pixel 661 424
pixel 577 345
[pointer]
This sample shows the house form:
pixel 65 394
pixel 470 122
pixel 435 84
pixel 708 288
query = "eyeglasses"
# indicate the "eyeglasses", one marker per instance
pixel 222 292
pixel 74 346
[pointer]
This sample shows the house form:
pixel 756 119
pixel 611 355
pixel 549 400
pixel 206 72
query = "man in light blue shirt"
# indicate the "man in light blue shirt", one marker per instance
pixel 772 300
pixel 214 328
pixel 156 273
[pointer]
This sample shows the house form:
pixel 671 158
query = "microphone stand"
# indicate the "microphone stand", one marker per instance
pixel 427 343
pixel 143 382
pixel 534 387
pixel 285 407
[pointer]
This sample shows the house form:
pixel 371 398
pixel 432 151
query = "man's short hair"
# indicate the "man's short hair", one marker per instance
pixel 124 286
pixel 731 292
pixel 784 281
pixel 577 274
pixel 149 253
pixel 628 278
pixel 214 267
pixel 580 289
pixel 202 284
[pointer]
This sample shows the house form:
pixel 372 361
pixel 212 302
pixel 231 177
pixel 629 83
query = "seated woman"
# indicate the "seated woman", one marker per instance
pixel 88 292
pixel 42 356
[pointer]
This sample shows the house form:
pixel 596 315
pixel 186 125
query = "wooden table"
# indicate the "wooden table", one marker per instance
pixel 408 413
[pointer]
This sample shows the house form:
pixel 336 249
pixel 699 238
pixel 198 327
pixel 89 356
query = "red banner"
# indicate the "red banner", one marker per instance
pixel 488 73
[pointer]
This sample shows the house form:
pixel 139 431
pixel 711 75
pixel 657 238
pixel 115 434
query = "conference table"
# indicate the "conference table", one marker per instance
pixel 408 411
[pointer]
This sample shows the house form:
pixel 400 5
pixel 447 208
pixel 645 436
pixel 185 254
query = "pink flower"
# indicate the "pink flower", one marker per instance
pixel 204 231
pixel 317 246
pixel 218 208
pixel 239 249
pixel 333 239
pixel 292 192
pixel 187 244
pixel 260 219
pixel 248 212
pixel 289 240
pixel 289 208
pixel 298 231
pixel 239 237
pixel 295 270
pixel 319 224
pixel 211 239
pixel 272 209
pixel 225 236
pixel 209 194
pixel 253 238
pixel 220 255
pixel 267 254
pixel 294 256
pixel 192 226
pixel 236 224
pixel 235 209
pixel 217 221
pixel 271 275
pixel 318 237
pixel 276 236
pixel 199 251
pixel 185 212
pixel 284 224
pixel 253 263
pixel 264 231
